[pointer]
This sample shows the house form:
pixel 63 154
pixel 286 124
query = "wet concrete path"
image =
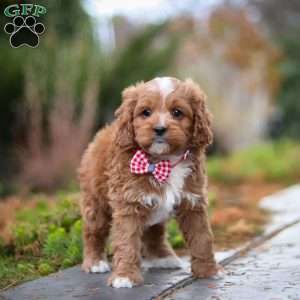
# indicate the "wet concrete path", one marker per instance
pixel 268 270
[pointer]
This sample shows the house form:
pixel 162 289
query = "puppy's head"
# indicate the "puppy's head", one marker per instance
pixel 164 116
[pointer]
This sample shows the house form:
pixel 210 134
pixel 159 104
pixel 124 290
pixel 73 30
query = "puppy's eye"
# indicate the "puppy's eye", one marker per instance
pixel 177 113
pixel 146 113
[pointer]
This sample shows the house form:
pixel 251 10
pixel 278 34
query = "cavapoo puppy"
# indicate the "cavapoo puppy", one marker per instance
pixel 145 167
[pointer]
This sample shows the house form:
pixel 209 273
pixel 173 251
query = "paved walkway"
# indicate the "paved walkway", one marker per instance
pixel 269 271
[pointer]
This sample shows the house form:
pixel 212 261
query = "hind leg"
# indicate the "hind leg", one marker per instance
pixel 157 251
pixel 95 232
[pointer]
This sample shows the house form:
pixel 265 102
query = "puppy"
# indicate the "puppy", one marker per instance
pixel 148 165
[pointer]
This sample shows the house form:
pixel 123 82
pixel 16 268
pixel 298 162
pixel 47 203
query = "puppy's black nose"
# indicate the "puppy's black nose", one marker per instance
pixel 160 130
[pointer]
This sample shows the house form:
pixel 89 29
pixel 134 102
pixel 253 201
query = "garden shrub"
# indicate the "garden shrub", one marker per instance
pixel 265 162
pixel 46 238
pixel 174 235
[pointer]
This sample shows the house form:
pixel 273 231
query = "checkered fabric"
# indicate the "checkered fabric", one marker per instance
pixel 140 164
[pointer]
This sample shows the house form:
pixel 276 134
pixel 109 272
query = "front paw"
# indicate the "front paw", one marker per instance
pixel 95 266
pixel 202 269
pixel 125 281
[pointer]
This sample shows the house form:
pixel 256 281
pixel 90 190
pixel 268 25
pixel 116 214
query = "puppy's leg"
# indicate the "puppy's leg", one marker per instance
pixel 95 232
pixel 157 251
pixel 126 243
pixel 193 221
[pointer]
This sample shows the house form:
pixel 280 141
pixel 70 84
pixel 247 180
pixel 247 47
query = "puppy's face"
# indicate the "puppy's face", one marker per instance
pixel 164 116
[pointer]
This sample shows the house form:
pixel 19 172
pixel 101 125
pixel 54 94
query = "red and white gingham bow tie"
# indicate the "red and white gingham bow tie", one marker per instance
pixel 161 171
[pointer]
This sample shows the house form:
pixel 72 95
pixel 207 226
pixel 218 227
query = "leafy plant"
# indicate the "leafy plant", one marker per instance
pixel 175 236
pixel 288 96
pixel 265 162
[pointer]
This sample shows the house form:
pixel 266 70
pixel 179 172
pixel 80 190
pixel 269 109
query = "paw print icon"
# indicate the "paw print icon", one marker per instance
pixel 24 31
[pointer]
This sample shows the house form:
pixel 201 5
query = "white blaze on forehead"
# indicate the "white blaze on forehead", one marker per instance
pixel 165 85
pixel 162 119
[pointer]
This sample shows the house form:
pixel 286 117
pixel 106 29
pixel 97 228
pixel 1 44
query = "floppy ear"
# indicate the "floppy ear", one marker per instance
pixel 202 132
pixel 124 115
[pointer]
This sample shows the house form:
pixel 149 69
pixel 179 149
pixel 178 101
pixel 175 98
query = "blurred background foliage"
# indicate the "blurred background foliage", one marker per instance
pixel 54 97
pixel 244 54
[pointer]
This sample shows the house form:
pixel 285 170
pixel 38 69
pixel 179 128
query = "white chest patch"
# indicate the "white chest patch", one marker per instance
pixel 172 194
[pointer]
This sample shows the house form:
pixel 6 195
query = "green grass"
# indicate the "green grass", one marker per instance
pixel 271 162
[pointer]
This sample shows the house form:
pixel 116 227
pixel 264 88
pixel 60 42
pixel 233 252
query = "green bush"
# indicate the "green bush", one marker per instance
pixel 56 243
pixel 267 162
pixel 174 235
pixel 289 92
pixel 46 238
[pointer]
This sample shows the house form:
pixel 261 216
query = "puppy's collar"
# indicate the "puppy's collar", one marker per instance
pixel 161 171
